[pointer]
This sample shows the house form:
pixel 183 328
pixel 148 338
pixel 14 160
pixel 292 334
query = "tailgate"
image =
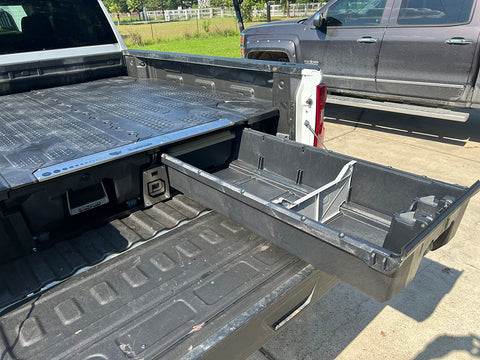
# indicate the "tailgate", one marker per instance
pixel 174 293
pixel 369 225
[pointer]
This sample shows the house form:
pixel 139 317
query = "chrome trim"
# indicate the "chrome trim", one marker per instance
pixel 459 41
pixel 88 161
pixel 420 83
pixel 366 40
pixel 342 77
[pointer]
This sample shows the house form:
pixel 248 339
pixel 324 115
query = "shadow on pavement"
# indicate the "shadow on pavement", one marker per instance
pixel 450 132
pixel 444 345
pixel 431 283
pixel 343 313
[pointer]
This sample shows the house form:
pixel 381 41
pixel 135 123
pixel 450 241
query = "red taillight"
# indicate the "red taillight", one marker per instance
pixel 242 46
pixel 319 125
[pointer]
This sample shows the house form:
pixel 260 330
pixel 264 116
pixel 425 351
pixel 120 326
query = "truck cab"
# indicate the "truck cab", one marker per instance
pixel 419 51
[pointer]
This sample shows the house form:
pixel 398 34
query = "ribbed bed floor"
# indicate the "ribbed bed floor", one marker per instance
pixel 51 126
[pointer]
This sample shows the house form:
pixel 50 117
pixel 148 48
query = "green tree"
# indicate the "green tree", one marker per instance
pixel 149 4
pixel 221 3
pixel 189 3
pixel 286 6
pixel 116 6
pixel 108 4
pixel 247 8
pixel 135 6
pixel 172 4
pixel 123 5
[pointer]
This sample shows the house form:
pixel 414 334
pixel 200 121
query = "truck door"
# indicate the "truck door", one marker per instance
pixel 428 49
pixel 347 48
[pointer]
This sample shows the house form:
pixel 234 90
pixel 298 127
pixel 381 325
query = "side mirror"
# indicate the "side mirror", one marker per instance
pixel 320 20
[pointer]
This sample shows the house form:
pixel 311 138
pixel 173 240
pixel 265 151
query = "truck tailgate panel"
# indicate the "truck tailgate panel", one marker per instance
pixel 64 258
pixel 158 294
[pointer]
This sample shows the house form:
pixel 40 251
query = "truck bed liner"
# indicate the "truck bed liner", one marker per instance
pixel 29 274
pixel 153 296
pixel 45 127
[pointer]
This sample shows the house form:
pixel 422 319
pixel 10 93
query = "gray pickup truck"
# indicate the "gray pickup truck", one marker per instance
pixel 417 51
pixel 148 209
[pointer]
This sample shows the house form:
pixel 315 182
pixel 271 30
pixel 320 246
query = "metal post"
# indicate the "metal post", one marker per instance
pixel 269 17
pixel 236 5
pixel 197 17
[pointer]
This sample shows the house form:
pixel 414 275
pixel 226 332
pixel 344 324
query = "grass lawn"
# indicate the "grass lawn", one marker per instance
pixel 215 37
pixel 175 29
pixel 215 45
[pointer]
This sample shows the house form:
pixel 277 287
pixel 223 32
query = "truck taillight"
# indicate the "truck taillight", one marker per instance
pixel 319 123
pixel 242 46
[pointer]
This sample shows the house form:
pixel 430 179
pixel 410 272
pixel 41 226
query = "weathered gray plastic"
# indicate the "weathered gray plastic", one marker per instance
pixel 266 173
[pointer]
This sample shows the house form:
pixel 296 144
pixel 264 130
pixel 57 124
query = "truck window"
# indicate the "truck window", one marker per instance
pixel 7 22
pixel 35 25
pixel 434 12
pixel 356 13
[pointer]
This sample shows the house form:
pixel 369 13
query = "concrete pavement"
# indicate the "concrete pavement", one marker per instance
pixel 438 315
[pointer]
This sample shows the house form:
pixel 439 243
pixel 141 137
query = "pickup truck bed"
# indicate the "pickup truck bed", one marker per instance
pixel 95 175
pixel 87 258
pixel 206 273
pixel 45 127
pixel 106 156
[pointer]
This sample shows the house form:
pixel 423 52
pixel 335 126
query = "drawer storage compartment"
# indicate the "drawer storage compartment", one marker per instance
pixel 367 224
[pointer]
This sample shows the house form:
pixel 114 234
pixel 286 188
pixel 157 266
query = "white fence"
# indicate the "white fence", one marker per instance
pixel 186 14
pixel 296 10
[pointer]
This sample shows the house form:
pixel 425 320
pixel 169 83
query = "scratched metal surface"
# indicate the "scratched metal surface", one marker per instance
pixel 51 126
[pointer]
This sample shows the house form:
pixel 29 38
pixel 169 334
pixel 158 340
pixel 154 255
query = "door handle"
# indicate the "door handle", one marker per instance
pixel 459 41
pixel 367 40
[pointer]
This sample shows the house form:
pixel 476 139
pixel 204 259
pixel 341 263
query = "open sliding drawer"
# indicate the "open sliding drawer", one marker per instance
pixel 367 224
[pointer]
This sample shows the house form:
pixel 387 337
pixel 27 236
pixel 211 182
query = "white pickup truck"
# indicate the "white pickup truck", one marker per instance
pixel 110 162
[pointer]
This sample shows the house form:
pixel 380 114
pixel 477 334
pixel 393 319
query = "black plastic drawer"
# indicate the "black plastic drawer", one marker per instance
pixel 370 225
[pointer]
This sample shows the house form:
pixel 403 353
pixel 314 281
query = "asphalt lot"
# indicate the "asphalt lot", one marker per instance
pixel 438 315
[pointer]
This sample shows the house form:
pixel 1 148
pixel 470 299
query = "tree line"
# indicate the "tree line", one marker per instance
pixel 130 6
